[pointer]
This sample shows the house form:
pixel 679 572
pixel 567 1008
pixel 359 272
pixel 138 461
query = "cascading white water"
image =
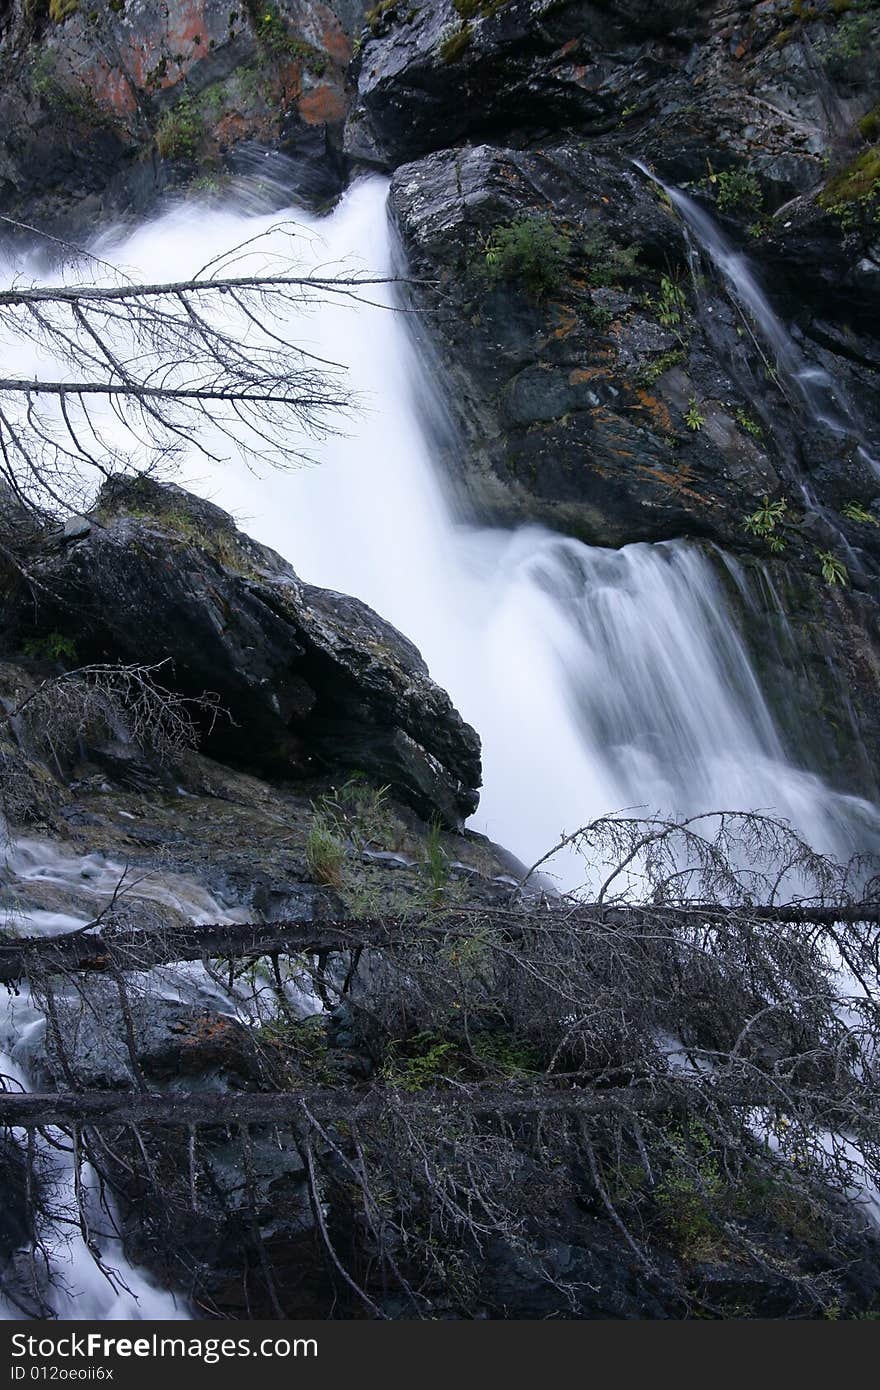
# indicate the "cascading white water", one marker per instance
pixel 820 393
pixel 80 1291
pixel 597 679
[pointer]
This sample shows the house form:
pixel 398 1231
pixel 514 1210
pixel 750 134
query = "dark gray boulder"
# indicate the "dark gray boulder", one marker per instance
pixel 310 678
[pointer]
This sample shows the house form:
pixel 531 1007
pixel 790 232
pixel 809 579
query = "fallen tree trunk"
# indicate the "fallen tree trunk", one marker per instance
pixel 100 950
pixel 36 1110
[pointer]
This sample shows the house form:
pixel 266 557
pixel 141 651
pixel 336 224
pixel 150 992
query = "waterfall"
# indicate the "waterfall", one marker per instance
pixel 597 679
pixel 820 394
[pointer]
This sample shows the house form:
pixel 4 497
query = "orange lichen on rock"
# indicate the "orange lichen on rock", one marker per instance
pixel 322 103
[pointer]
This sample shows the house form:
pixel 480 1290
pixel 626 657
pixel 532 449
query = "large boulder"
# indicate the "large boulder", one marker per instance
pixel 432 74
pixel 309 678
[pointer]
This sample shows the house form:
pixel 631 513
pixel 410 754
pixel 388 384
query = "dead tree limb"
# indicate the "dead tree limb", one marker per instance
pixel 38 1110
pixel 139 950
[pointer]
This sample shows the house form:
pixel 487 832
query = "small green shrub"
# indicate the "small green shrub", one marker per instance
pixel 848 44
pixel 737 189
pixel 420 1061
pixel 505 1055
pixel 529 253
pixel 765 521
pixel 609 264
pixel 180 131
pixel 383 14
pixel 853 194
pixel 652 371
pixel 474 9
pixel 277 41
pixel 869 126
pixel 53 647
pixel 834 571
pixel 694 417
pixel 686 1190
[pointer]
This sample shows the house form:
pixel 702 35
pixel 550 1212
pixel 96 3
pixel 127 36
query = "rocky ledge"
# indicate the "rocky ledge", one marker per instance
pixel 306 679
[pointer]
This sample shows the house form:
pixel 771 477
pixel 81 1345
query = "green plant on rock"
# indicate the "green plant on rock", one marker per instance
pixel 609 263
pixel 737 190
pixel 528 253
pixel 847 45
pixel 420 1061
pixel 853 194
pixel 747 423
pixel 691 1185
pixel 694 417
pixel 478 9
pixel 325 852
pixel 854 511
pixel 834 571
pixel 869 125
pixel 277 41
pixel 53 647
pixel 180 131
pixel 658 366
pixel 386 12
pixel 454 43
pixel 765 521
pixel 672 302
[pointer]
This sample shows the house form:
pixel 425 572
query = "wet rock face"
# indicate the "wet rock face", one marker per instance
pixel 593 403
pixel 430 75
pixel 310 678
pixel 104 107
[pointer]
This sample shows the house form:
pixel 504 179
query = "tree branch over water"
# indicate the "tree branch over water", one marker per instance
pixel 142 373
pixel 696 1071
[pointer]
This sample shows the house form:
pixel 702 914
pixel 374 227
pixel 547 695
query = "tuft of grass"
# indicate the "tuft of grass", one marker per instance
pixel 455 44
pixel 325 852
pixel 854 511
pixel 180 131
pixel 436 862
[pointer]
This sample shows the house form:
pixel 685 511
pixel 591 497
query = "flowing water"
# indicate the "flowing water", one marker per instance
pixel 819 392
pixel 597 679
